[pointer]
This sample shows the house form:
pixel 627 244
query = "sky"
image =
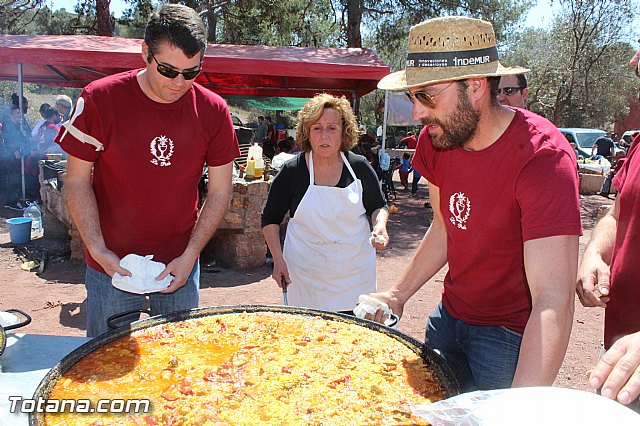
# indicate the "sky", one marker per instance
pixel 540 15
pixel 116 7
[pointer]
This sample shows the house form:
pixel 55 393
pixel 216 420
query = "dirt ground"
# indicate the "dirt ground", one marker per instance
pixel 55 298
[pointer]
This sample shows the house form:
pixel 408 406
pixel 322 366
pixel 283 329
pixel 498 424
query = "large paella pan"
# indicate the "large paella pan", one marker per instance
pixel 247 365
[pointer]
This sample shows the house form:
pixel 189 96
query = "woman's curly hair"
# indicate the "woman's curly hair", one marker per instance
pixel 313 110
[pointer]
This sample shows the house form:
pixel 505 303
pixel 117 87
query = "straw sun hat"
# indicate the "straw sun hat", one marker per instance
pixel 448 48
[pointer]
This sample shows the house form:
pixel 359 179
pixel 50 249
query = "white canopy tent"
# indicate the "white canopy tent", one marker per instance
pixel 398 111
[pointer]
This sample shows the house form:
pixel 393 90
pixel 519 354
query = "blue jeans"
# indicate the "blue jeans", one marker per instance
pixel 104 300
pixel 481 356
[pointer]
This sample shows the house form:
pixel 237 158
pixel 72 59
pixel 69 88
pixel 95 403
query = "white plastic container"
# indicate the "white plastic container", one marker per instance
pixel 37 227
pixel 255 152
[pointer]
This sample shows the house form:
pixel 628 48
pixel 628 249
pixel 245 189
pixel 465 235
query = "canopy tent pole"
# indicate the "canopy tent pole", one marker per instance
pixel 384 118
pixel 22 128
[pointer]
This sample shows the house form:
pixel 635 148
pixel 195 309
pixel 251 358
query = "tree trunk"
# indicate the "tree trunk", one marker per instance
pixel 103 18
pixel 354 19
pixel 212 21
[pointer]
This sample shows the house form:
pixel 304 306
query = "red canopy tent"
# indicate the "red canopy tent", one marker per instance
pixel 74 61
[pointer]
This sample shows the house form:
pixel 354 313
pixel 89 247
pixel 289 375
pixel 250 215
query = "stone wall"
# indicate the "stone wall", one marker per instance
pixel 592 183
pixel 238 242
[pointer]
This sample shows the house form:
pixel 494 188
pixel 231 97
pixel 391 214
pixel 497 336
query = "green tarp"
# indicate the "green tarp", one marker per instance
pixel 272 103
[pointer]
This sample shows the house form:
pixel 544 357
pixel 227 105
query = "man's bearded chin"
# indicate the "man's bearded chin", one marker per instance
pixel 458 128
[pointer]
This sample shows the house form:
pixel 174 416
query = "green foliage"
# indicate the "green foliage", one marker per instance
pixel 579 66
pixel 580 75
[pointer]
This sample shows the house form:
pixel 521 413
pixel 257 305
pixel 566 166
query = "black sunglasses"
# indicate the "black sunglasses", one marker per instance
pixel 508 91
pixel 425 98
pixel 169 72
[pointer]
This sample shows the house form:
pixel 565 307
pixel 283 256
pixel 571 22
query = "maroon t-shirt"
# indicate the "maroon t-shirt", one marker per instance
pixel 622 315
pixel 522 187
pixel 146 177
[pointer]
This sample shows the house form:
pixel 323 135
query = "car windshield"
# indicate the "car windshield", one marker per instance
pixel 586 140
pixel 236 121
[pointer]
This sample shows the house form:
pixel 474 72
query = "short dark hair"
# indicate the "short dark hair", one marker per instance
pixel 178 25
pixel 50 112
pixel 44 107
pixel 522 81
pixel 260 117
pixel 15 102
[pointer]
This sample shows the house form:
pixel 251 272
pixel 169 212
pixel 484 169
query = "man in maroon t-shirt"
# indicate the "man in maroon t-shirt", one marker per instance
pixel 503 185
pixel 609 277
pixel 137 143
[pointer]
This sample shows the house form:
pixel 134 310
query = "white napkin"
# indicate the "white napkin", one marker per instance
pixel 369 305
pixel 143 275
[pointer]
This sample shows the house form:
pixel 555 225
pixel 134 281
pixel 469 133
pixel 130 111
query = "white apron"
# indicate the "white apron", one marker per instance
pixel 327 248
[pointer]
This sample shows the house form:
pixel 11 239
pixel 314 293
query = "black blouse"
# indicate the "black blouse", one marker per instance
pixel 291 183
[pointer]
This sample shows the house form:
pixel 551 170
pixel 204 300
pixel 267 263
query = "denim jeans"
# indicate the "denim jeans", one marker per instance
pixel 104 300
pixel 481 356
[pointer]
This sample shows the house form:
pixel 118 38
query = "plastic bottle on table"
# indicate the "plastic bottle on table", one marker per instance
pixel 259 168
pixel 37 227
pixel 255 151
pixel 251 166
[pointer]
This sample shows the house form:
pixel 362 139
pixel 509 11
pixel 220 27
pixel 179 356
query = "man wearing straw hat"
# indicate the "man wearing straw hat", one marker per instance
pixel 504 188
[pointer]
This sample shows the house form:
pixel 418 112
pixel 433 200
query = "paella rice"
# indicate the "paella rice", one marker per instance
pixel 252 368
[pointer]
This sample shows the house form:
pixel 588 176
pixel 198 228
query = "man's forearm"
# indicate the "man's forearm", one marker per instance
pixel 544 344
pixel 83 208
pixel 603 238
pixel 211 214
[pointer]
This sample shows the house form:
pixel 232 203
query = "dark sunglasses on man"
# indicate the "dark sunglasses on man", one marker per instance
pixel 425 98
pixel 508 91
pixel 169 72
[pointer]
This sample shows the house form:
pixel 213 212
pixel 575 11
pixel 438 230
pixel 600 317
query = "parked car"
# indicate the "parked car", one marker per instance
pixel 628 137
pixel 244 134
pixel 584 139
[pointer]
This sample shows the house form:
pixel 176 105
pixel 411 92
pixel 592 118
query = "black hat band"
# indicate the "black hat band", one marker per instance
pixel 460 58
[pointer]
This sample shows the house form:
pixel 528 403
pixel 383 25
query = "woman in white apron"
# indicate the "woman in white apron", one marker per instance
pixel 329 254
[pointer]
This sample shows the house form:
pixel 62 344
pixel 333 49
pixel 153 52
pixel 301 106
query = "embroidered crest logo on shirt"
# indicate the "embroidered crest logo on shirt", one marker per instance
pixel 162 149
pixel 460 207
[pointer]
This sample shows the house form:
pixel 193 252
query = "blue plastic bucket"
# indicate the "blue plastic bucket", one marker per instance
pixel 19 230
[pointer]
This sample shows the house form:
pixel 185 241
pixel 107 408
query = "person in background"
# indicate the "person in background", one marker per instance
pixel 261 131
pixel 269 144
pixel 35 132
pixel 41 145
pixel 513 90
pixel 512 253
pixel 409 141
pixel 63 104
pixel 16 135
pixel 609 277
pixel 414 182
pixel 133 174
pixel 404 170
pixel 330 193
pixel 49 131
pixel 285 145
pixel 603 146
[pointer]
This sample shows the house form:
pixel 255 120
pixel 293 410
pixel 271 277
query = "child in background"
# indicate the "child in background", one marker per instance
pixel 405 169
